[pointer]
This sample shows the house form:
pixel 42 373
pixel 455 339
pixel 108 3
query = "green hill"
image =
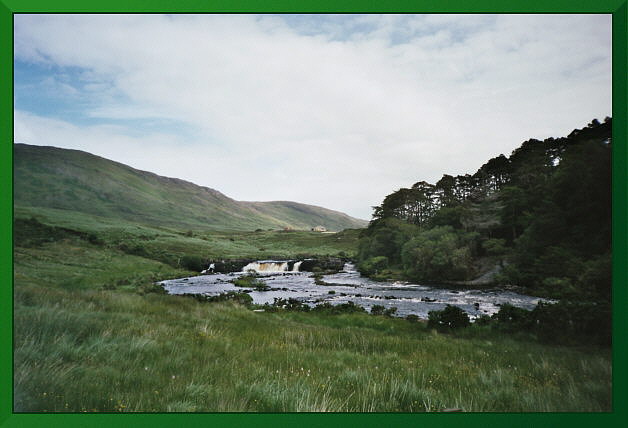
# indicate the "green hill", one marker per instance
pixel 51 177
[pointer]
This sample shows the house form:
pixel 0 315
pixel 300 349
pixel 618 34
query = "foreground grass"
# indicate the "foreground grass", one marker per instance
pixel 82 347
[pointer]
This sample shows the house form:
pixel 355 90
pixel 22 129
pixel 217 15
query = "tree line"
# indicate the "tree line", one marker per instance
pixel 539 218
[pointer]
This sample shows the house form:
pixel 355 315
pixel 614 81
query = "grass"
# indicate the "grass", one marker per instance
pixel 167 244
pixel 88 337
pixel 72 180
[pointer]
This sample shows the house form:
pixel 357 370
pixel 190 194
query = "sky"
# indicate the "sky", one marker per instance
pixel 330 110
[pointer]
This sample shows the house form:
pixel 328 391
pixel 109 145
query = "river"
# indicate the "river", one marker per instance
pixel 349 285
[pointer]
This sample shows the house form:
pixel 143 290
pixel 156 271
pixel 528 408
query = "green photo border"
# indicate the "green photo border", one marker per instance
pixel 616 418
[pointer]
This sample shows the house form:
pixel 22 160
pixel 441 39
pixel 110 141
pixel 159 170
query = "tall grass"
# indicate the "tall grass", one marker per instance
pixel 80 346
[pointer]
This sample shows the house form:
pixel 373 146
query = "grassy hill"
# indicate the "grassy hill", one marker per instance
pixel 50 177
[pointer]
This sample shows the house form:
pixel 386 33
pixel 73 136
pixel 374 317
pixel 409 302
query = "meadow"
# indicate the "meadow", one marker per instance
pixel 93 334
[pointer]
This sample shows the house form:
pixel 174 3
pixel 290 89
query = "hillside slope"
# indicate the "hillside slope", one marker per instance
pixel 73 180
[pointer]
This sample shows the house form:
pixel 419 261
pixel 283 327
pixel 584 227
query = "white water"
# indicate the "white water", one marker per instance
pixel 270 266
pixel 348 285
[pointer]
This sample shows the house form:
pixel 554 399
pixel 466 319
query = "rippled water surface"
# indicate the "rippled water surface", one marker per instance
pixel 348 285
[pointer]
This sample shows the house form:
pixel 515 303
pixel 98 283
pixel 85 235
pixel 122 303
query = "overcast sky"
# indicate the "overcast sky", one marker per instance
pixel 330 110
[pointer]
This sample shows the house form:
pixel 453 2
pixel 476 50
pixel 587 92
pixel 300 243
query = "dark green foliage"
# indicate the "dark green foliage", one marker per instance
pixel 448 216
pixel 377 310
pixel 545 211
pixel 289 304
pixel 482 320
pixel 437 253
pixel 230 296
pixel 565 323
pixel 569 235
pixel 494 247
pixel 510 318
pixel 151 288
pixel 384 238
pixel 596 276
pixel 374 265
pixel 31 233
pixel 412 318
pixel 343 308
pixel 450 318
pixel 389 312
pixel 191 262
pixel 251 281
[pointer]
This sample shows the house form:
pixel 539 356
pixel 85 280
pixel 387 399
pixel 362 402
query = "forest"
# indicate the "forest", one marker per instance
pixel 539 219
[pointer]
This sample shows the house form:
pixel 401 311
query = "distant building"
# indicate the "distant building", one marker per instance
pixel 319 229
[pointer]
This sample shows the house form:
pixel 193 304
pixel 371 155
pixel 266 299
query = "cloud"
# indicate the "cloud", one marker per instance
pixel 333 110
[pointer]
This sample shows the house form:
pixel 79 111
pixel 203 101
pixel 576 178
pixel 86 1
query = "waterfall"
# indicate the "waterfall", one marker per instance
pixel 271 266
pixel 266 266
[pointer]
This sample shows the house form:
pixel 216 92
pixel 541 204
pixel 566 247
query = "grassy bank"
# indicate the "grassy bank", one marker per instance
pixel 89 337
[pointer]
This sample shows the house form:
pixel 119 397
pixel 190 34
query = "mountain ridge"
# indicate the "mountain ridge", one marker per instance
pixel 53 177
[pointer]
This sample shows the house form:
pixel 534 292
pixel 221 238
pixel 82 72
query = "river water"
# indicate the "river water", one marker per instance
pixel 349 285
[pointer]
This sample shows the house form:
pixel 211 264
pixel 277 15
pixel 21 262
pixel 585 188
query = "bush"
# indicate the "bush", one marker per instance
pixel 566 323
pixel 189 262
pixel 390 311
pixel 483 320
pixel 343 308
pixel 494 247
pixel 412 318
pixel 510 318
pixel 377 310
pixel 597 276
pixel 573 323
pixel 151 288
pixel 452 317
pixel 231 296
pixel 289 304
pixel 250 281
pixel 373 265
pixel 436 254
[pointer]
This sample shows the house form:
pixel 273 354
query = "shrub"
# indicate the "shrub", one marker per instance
pixel 437 254
pixel 343 308
pixel 510 318
pixel 377 310
pixel 390 311
pixel 250 281
pixel 151 288
pixel 452 317
pixel 572 323
pixel 483 320
pixel 230 296
pixel 190 262
pixel 289 304
pixel 412 318
pixel 373 265
pixel 494 247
